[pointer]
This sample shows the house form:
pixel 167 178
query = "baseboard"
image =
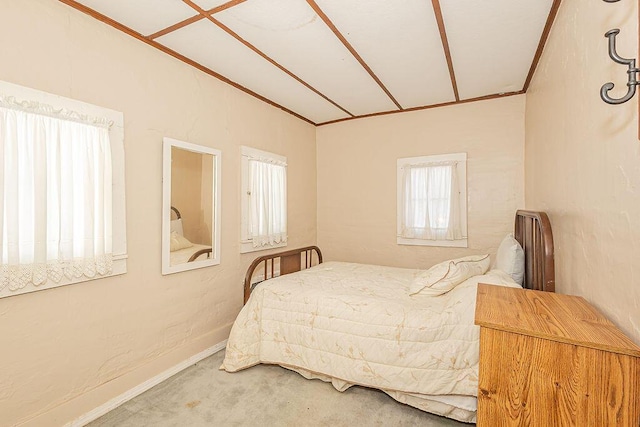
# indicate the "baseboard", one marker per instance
pixel 141 388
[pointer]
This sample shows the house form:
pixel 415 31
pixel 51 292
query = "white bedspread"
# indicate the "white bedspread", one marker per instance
pixel 357 324
pixel 182 256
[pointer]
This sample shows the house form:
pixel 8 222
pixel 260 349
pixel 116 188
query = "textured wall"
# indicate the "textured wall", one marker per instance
pixel 67 350
pixel 357 178
pixel 583 158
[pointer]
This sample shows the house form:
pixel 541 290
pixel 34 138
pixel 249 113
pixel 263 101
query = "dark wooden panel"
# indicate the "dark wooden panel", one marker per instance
pixel 533 232
pixel 290 264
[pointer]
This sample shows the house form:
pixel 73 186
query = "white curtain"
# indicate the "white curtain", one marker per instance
pixel 55 195
pixel 267 202
pixel 431 202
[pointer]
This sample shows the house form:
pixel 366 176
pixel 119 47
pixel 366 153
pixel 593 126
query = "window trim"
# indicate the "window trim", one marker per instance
pixel 461 158
pixel 116 135
pixel 246 245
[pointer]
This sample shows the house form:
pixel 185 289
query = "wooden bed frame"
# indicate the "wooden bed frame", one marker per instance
pixel 288 262
pixel 532 231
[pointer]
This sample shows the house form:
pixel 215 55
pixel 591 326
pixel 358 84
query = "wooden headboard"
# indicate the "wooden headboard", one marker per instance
pixel 176 211
pixel 288 262
pixel 533 231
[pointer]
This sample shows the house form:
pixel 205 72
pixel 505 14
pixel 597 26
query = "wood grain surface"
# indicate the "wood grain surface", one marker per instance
pixel 562 318
pixel 529 381
pixel 553 360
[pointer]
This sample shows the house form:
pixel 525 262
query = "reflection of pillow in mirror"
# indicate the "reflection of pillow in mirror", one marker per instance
pixel 443 277
pixel 179 242
pixel 176 225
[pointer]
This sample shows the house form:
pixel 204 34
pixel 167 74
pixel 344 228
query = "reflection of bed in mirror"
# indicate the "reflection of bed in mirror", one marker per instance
pixel 190 206
pixel 182 250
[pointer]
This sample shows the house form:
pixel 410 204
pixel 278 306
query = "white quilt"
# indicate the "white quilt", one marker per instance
pixel 357 324
pixel 182 256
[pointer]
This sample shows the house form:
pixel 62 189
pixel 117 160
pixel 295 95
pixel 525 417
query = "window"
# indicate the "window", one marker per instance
pixel 264 200
pixel 432 200
pixel 62 215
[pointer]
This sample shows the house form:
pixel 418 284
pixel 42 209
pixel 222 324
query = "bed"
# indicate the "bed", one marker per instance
pixel 182 251
pixel 355 324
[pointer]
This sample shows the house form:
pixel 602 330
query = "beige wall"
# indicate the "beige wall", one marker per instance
pixel 357 178
pixel 67 350
pixel 583 158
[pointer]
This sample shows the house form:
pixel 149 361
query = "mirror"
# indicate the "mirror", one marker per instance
pixel 190 206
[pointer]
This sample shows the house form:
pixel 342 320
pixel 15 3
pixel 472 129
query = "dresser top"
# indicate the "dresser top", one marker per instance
pixel 563 318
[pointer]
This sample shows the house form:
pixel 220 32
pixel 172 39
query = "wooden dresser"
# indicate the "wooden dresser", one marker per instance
pixel 553 360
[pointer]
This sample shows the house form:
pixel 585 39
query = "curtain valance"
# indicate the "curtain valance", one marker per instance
pixel 34 107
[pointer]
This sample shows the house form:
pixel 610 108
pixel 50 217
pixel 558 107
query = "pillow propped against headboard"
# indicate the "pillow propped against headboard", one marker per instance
pixel 178 241
pixel 176 227
pixel 443 277
pixel 510 258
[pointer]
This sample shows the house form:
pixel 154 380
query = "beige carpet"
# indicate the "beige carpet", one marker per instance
pixel 263 395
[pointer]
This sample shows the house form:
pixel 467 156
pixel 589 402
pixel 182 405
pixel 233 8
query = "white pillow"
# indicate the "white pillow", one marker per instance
pixel 502 277
pixel 491 277
pixel 178 242
pixel 510 258
pixel 176 225
pixel 443 277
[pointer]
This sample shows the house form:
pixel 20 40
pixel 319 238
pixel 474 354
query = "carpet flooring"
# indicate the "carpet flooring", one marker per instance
pixel 263 395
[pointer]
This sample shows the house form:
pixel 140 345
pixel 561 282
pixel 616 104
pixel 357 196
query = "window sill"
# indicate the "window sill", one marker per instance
pixel 462 243
pixel 247 247
pixel 119 267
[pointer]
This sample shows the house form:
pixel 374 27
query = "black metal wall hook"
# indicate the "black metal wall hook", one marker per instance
pixel 632 71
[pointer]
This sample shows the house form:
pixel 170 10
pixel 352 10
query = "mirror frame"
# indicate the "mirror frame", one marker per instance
pixel 168 144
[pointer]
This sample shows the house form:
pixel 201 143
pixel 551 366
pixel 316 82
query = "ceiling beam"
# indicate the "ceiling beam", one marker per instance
pixel 263 55
pixel 543 40
pixel 445 45
pixel 350 48
pixel 195 18
pixel 425 107
pixel 174 27
pixel 115 24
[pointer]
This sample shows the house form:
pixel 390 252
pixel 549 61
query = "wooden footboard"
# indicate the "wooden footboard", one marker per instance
pixel 288 262
pixel 200 252
pixel 533 231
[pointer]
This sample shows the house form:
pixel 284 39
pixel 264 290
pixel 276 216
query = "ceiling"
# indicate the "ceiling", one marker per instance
pixel 332 60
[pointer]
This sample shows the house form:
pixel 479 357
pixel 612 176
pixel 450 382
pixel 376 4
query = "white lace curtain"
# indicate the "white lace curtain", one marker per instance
pixel 55 195
pixel 267 202
pixel 431 202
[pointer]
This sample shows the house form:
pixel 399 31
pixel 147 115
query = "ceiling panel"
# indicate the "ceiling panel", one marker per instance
pixel 144 16
pixel 493 42
pixel 210 4
pixel 492 45
pixel 400 41
pixel 291 33
pixel 210 46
